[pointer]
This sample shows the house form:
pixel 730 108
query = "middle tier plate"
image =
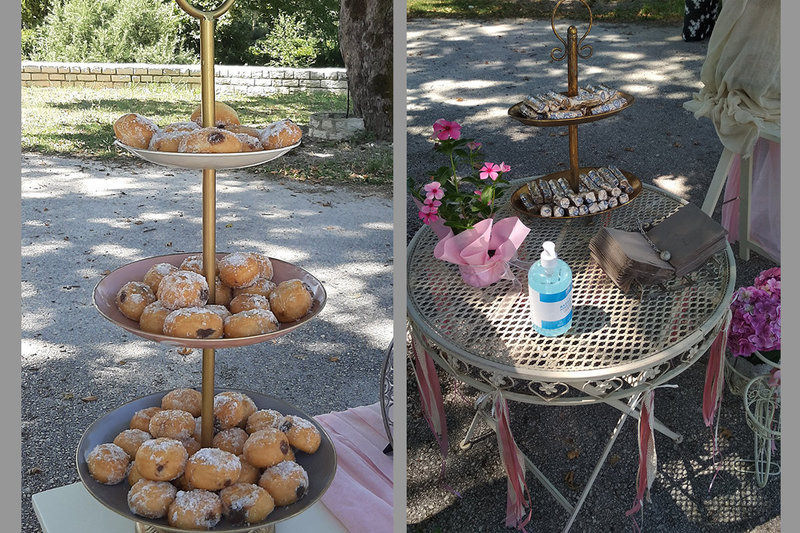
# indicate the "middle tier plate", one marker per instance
pixel 104 298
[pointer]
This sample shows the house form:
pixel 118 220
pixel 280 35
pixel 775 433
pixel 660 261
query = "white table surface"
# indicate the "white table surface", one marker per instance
pixel 71 509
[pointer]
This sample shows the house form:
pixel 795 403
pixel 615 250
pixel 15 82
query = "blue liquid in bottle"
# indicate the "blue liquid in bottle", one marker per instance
pixel 550 293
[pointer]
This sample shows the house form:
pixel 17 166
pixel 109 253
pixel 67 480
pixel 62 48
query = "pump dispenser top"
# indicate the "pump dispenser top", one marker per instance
pixel 549 256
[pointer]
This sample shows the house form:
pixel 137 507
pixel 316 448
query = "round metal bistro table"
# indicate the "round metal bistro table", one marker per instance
pixel 619 346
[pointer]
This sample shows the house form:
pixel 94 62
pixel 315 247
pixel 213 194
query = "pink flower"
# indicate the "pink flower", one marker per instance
pixel 477 192
pixel 489 170
pixel 504 167
pixel 444 129
pixel 434 190
pixel 473 146
pixel 774 380
pixel 428 213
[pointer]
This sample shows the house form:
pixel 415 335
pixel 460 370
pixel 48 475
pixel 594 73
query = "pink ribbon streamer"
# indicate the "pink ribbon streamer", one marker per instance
pixel 430 393
pixel 470 249
pixel 513 464
pixel 648 461
pixel 713 389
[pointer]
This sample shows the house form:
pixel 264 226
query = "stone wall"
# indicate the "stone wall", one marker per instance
pixel 236 79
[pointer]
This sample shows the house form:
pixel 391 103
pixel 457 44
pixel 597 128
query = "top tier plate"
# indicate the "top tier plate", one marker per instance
pixel 210 161
pixel 514 113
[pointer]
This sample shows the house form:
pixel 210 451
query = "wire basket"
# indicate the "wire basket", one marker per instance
pixel 762 405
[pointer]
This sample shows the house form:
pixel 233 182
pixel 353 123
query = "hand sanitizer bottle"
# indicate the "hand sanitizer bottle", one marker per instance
pixel 550 293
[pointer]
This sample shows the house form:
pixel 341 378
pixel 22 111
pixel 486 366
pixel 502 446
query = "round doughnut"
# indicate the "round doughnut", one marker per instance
pixel 231 440
pixel 246 503
pixel 220 309
pixel 108 463
pixel 189 400
pixel 156 273
pixel 239 269
pixel 195 264
pixel 172 423
pixel 161 459
pixel 183 288
pixel 286 482
pixel 141 418
pixel 212 469
pixel 151 499
pixel 249 143
pixel 266 265
pixel 193 323
pixel 210 141
pixel 130 440
pixel 263 418
pixel 302 433
pixel 152 318
pixel 280 134
pixel 266 447
pixel 262 286
pixel 192 445
pixel 290 300
pixel 231 409
pixel 195 509
pixel 250 473
pixel 180 126
pixel 133 474
pixel 224 115
pixel 133 297
pixel 181 483
pixel 244 302
pixel 222 293
pixel 242 129
pixel 134 130
pixel 167 141
pixel 250 322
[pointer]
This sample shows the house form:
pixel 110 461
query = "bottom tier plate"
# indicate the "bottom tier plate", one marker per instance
pixel 519 207
pixel 320 466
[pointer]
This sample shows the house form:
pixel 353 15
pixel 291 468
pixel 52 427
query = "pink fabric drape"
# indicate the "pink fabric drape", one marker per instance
pixel 361 493
pixel 647 456
pixel 765 198
pixel 513 463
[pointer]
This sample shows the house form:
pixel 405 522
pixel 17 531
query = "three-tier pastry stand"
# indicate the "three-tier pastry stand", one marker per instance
pixel 572 49
pixel 321 465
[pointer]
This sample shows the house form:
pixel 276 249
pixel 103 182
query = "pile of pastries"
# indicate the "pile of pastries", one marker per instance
pixel 227 135
pixel 249 469
pixel 173 300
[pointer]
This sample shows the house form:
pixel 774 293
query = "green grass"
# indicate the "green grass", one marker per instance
pixel 79 121
pixel 655 11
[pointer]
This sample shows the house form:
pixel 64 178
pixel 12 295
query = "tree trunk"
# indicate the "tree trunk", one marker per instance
pixel 365 40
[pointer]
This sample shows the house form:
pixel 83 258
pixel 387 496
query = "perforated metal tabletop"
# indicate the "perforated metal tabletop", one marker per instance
pixel 619 342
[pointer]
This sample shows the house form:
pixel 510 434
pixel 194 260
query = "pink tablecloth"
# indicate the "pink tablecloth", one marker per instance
pixel 360 495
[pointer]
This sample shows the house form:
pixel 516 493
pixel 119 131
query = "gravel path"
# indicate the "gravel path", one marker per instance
pixel 83 218
pixel 472 73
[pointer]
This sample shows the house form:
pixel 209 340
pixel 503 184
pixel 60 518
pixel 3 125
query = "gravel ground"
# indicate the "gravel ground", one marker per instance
pixel 472 73
pixel 83 218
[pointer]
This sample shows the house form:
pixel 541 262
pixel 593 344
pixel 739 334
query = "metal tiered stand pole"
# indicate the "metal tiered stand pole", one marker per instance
pixel 209 200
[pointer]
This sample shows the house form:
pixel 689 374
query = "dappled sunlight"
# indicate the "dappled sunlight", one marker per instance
pixel 122 254
pixel 385 226
pixel 677 185
pixel 44 248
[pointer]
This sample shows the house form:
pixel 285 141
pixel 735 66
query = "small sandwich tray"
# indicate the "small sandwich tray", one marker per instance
pixel 518 203
pixel 105 293
pixel 220 161
pixel 516 113
pixel 320 466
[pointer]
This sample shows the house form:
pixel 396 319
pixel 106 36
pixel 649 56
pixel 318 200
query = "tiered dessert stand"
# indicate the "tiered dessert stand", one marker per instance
pixel 571 51
pixel 321 465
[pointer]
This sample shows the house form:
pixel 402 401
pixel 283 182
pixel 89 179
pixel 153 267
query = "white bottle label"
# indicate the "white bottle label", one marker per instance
pixel 551 311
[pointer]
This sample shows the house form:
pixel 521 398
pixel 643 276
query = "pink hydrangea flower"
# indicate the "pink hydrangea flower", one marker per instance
pixel 434 190
pixel 756 320
pixel 445 129
pixel 489 170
